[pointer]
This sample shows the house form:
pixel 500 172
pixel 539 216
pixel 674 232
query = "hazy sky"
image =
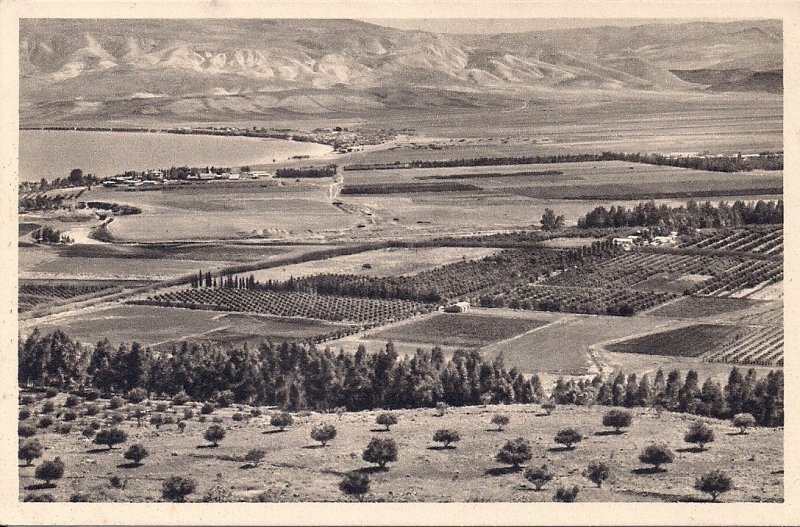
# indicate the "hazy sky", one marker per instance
pixel 512 25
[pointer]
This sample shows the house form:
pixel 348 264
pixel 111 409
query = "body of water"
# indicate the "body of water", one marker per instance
pixel 53 153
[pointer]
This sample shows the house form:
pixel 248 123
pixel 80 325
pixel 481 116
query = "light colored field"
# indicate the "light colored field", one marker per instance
pixel 563 347
pixel 568 243
pixel 382 262
pixel 151 325
pixel 295 469
pixel 465 330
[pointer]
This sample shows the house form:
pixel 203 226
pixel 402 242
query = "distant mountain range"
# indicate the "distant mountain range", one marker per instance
pixel 216 69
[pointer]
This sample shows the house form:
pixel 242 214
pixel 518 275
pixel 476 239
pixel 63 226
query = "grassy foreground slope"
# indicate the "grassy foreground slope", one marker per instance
pixel 296 468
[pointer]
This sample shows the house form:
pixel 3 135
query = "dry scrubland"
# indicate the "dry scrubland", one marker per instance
pixel 296 468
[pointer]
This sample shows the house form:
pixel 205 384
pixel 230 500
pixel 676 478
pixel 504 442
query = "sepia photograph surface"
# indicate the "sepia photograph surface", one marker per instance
pixel 370 259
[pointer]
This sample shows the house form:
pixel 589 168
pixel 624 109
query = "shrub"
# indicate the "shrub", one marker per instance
pixel 157 420
pixel 568 437
pixel 137 395
pixel 48 407
pixel 386 419
pixel 180 398
pixel 538 476
pixel 548 407
pixel 72 401
pixel 597 472
pixel 355 484
pixel 117 482
pixel 136 453
pixel 169 420
pixel 24 430
pixel 177 488
pixel 714 483
pixel 207 408
pixel 69 416
pixel 255 456
pixel 281 420
pixel 255 412
pixel 50 393
pixel 700 434
pixel 566 495
pixel 181 426
pixel 225 398
pixel 743 422
pixel 500 420
pixel 214 434
pixel 217 419
pixel 188 413
pixel 44 422
pixel 110 437
pixel 30 450
pixel 380 451
pixel 617 419
pixel 88 431
pixel 90 394
pixel 116 402
pixel 446 436
pixel 27 399
pixel 63 429
pixel 162 407
pixel 117 417
pixel 95 424
pixel 441 408
pixel 91 410
pixel 323 433
pixel 515 452
pixel 50 470
pixel 24 414
pixel 238 416
pixel 656 454
pixel 79 497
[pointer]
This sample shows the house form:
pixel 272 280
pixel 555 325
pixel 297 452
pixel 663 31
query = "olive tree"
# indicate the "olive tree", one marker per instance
pixel 323 433
pixel 355 484
pixel 50 470
pixel 656 454
pixel 743 422
pixel 380 451
pixel 568 437
pixel 700 434
pixel 617 419
pixel 446 436
pixel 386 419
pixel 500 420
pixel 214 434
pixel 714 483
pixel 30 450
pixel 515 452
pixel 538 476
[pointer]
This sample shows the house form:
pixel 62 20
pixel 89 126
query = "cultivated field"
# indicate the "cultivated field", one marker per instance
pixel 298 469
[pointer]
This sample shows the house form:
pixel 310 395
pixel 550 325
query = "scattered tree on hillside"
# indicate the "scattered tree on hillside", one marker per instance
pixel 568 437
pixel 386 419
pixel 597 472
pixel 515 452
pixel 281 420
pixel 618 419
pixel 30 450
pixel 110 437
pixel 446 436
pixel 214 434
pixel 500 420
pixel 566 495
pixel 700 434
pixel 136 453
pixel 548 407
pixel 50 470
pixel 177 488
pixel 539 477
pixel 255 456
pixel 714 483
pixel 380 451
pixel 656 454
pixel 323 433
pixel 355 483
pixel 743 421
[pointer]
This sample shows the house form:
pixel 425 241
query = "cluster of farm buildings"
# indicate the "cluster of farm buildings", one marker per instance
pixel 153 178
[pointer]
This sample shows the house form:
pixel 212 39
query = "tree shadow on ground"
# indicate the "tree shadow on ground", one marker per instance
pixel 736 434
pixel 691 450
pixel 501 471
pixel 207 446
pixel 542 414
pixel 129 465
pixel 98 450
pixel 310 447
pixel 372 470
pixel 441 447
pixel 608 433
pixel 41 486
pixel 493 430
pixel 273 431
pixel 379 430
pixel 561 449
pixel 648 470
pixel 248 466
